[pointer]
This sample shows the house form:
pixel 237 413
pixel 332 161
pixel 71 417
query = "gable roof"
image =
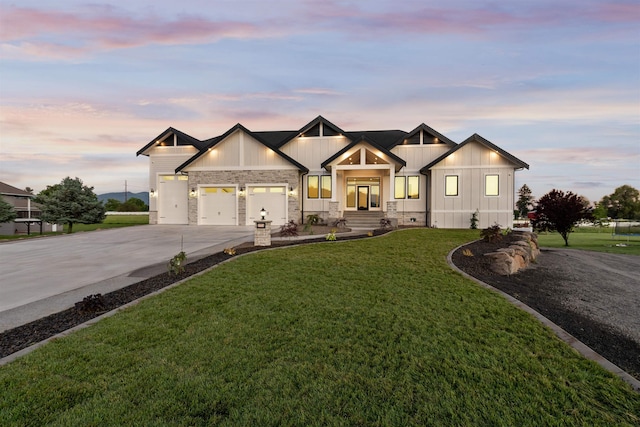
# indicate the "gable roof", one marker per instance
pixel 477 138
pixel 10 190
pixel 182 139
pixel 265 138
pixel 363 138
pixel 427 129
pixel 306 128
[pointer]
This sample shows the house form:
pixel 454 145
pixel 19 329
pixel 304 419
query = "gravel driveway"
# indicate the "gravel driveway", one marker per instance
pixel 603 287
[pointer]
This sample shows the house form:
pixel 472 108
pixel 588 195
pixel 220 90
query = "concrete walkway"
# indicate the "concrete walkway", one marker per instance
pixel 41 276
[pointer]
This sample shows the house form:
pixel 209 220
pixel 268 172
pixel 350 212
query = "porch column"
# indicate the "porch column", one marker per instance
pixel 392 185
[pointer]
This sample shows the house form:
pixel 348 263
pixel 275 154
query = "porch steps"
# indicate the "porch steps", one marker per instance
pixel 363 219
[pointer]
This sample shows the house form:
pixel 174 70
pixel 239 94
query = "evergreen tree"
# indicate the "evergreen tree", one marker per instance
pixel 70 202
pixel 7 211
pixel 525 201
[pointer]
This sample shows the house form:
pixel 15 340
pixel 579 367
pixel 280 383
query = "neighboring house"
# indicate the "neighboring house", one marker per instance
pixel 419 177
pixel 28 219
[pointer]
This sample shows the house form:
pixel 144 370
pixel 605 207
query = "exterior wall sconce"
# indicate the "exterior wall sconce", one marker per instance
pixel 152 193
pixel 193 192
pixel 291 191
pixel 241 192
pixel 263 214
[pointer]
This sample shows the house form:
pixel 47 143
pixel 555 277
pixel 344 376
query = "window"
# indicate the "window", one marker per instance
pixel 400 187
pixel 326 186
pixel 413 187
pixel 312 187
pixel 451 185
pixel 407 187
pixel 491 187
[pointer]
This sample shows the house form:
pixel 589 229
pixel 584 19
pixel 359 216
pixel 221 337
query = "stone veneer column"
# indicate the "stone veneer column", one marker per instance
pixel 392 212
pixel 262 234
pixel 334 212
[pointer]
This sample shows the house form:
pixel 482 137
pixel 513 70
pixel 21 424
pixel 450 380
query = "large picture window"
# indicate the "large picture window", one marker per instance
pixel 451 185
pixel 312 187
pixel 325 186
pixel 491 185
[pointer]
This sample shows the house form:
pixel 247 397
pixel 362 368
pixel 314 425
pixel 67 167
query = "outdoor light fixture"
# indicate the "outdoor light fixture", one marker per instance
pixel 152 193
pixel 291 190
pixel 193 192
pixel 263 213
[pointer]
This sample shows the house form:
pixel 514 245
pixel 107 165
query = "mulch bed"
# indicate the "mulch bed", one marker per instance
pixel 536 287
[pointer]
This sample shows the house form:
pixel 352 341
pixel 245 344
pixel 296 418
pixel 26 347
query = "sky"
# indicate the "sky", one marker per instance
pixel 85 84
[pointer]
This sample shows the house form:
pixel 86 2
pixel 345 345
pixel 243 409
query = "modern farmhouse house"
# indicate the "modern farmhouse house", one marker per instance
pixel 419 177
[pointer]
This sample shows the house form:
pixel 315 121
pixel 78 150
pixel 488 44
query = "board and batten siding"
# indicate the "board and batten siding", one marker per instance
pixel 239 151
pixel 471 164
pixel 312 151
pixel 164 161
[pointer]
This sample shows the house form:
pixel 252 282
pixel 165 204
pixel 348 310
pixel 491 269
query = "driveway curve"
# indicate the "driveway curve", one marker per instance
pixel 41 276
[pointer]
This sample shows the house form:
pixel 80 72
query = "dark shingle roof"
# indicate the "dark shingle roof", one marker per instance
pixel 10 190
pixel 182 139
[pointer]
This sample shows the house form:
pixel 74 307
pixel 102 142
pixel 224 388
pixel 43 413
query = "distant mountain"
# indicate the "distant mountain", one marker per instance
pixel 144 196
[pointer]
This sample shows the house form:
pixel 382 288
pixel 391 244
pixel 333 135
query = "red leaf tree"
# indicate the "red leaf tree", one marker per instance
pixel 560 211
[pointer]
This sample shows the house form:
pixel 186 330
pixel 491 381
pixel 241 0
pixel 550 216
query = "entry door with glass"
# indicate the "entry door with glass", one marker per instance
pixel 363 194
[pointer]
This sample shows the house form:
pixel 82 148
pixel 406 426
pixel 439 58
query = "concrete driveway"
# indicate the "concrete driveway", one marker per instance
pixel 41 276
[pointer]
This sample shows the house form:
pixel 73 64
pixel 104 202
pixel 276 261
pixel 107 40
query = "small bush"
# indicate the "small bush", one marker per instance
pixel 340 223
pixel 176 264
pixel 229 251
pixel 332 235
pixel 492 234
pixel 385 223
pixel 289 229
pixel 474 220
pixel 91 304
pixel 467 252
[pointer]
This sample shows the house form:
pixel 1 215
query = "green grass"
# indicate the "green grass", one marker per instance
pixel 593 239
pixel 371 332
pixel 111 221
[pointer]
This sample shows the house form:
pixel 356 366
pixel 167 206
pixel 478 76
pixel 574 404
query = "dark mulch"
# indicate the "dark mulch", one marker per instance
pixel 92 306
pixel 537 288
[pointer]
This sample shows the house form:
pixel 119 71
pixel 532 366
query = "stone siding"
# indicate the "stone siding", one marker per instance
pixel 241 178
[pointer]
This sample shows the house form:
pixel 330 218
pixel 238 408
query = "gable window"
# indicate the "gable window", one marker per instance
pixel 491 185
pixel 451 185
pixel 400 186
pixel 326 186
pixel 312 187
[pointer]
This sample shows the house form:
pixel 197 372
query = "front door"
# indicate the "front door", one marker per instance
pixel 363 197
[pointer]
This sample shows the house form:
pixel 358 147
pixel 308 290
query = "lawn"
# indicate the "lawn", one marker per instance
pixel 370 332
pixel 593 239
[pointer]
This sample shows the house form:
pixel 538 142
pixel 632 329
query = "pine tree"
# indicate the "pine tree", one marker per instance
pixel 70 202
pixel 525 201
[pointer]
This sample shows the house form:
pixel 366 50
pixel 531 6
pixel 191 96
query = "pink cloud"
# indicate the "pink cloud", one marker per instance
pixel 74 34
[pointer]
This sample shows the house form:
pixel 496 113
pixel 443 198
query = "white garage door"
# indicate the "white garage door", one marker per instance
pixel 272 198
pixel 217 206
pixel 173 199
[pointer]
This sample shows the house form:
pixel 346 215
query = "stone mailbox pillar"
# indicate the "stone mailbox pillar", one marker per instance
pixel 262 235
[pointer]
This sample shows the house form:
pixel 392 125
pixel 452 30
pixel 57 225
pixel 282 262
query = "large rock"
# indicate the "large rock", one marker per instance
pixel 502 263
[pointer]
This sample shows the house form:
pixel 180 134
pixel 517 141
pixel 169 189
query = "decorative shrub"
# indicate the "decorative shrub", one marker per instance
pixel 467 252
pixel 474 220
pixel 385 223
pixel 340 223
pixel 229 251
pixel 492 234
pixel 332 235
pixel 176 264
pixel 289 229
pixel 91 304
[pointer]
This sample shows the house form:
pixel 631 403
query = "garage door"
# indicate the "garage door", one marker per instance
pixel 173 199
pixel 217 206
pixel 272 198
